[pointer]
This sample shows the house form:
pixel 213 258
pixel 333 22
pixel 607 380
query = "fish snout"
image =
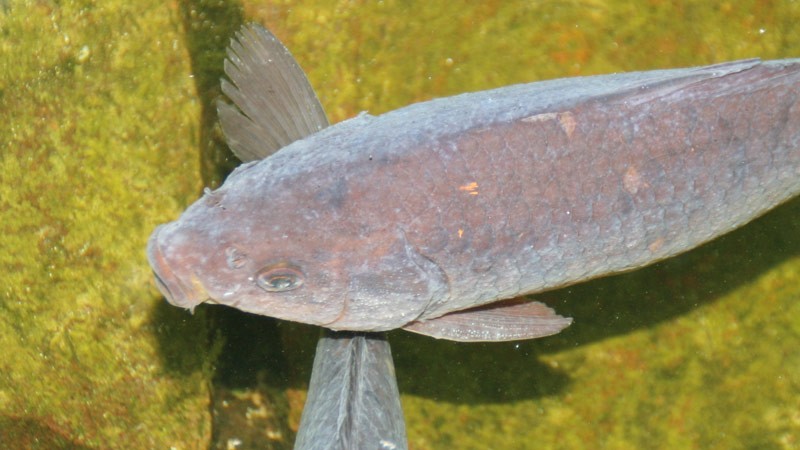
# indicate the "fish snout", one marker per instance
pixel 183 291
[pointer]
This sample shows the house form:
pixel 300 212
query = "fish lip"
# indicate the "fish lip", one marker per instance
pixel 171 286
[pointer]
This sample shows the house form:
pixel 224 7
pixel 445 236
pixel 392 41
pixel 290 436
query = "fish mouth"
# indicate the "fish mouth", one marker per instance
pixel 175 290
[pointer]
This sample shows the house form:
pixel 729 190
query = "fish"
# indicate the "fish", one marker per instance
pixel 439 216
pixel 353 400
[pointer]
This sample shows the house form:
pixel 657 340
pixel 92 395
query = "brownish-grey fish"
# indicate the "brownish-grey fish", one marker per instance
pixel 423 217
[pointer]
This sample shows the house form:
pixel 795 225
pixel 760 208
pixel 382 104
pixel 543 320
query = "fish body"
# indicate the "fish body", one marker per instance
pixel 415 217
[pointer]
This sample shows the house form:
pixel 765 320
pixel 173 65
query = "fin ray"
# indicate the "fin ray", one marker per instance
pixel 273 102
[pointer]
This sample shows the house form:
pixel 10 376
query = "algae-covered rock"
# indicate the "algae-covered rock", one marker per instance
pixel 107 131
pixel 99 144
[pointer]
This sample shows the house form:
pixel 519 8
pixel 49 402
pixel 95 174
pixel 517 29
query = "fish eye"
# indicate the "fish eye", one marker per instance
pixel 279 277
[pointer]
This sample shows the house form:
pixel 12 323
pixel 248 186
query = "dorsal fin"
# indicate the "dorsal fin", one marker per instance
pixel 273 102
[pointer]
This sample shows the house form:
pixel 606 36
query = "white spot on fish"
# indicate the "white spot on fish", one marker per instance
pixel 566 120
pixel 632 181
pixel 656 245
pixel 387 445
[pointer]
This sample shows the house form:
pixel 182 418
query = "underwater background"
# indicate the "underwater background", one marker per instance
pixel 108 129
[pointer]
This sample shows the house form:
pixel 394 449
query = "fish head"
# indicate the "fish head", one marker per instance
pixel 299 247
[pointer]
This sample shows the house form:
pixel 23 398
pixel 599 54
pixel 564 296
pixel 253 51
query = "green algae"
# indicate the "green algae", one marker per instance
pixel 108 135
pixel 378 56
pixel 99 146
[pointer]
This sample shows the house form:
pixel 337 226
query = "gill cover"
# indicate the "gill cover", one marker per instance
pixel 394 288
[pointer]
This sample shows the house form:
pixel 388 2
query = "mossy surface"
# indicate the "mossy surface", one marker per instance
pixel 109 131
pixel 98 147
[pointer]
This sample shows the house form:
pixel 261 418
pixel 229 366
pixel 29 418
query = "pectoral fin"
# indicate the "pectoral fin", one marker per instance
pixel 504 322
